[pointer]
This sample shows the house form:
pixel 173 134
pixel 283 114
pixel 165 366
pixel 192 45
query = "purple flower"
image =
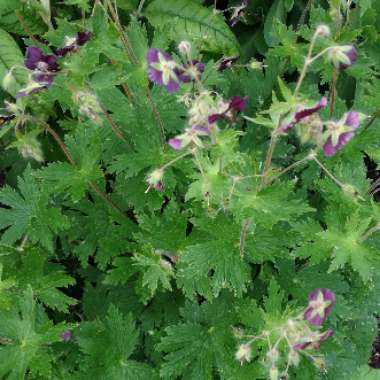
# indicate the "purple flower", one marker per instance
pixel 67 335
pixel 341 132
pixel 191 135
pixel 302 113
pixel 321 302
pixel 162 69
pixel 73 44
pixel 313 341
pixel 238 13
pixel 343 57
pixel 226 63
pixel 44 66
pixel 236 104
pixel 192 71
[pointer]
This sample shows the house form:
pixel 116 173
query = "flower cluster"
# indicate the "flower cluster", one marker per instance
pixel 295 337
pixel 43 68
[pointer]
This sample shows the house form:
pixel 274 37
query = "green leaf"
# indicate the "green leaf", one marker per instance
pixel 186 19
pixel 30 336
pixel 345 240
pixel 10 56
pixel 213 261
pixel 29 213
pixel 278 11
pixel 155 270
pixel 117 333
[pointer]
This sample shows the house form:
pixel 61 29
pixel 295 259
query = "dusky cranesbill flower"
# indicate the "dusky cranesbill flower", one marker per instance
pixel 236 104
pixel 191 71
pixel 162 69
pixel 341 132
pixel 343 57
pixel 43 69
pixel 302 112
pixel 67 335
pixel 313 340
pixel 191 135
pixel 320 305
pixel 74 43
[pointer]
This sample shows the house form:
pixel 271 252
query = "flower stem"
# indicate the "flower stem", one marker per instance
pixel 372 119
pixel 308 61
pixel 140 7
pixel 290 167
pixel 370 232
pixel 323 167
pixel 174 160
pixel 333 92
pixel 243 236
pixel 268 159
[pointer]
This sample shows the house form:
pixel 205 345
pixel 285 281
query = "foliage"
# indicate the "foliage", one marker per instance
pixel 177 177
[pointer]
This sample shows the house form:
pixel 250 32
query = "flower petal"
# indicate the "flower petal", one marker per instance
pixel 32 57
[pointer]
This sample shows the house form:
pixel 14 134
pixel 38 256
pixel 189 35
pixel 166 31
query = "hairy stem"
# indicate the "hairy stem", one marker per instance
pixel 329 174
pixel 243 236
pixel 372 119
pixel 333 92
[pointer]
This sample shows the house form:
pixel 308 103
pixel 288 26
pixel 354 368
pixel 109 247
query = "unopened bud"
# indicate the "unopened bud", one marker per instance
pixel 319 363
pixel 244 353
pixel 273 355
pixel 184 47
pixel 273 373
pixel 8 80
pixel 154 180
pixel 293 358
pixel 323 31
pixel 256 65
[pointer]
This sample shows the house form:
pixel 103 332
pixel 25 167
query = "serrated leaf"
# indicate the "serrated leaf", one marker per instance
pixel 10 56
pixel 189 20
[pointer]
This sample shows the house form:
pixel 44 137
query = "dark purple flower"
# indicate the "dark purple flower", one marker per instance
pixel 343 56
pixel 36 60
pixel 313 341
pixel 191 135
pixel 321 302
pixel 238 13
pixel 341 132
pixel 192 71
pixel 226 63
pixel 73 44
pixel 67 335
pixel 235 105
pixel 162 69
pixel 302 113
pixel 44 69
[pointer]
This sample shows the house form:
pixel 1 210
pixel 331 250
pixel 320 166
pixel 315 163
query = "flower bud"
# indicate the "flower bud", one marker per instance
pixel 323 31
pixel 273 355
pixel 256 65
pixel 293 358
pixel 184 47
pixel 273 373
pixel 319 363
pixel 154 180
pixel 244 353
pixel 8 80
